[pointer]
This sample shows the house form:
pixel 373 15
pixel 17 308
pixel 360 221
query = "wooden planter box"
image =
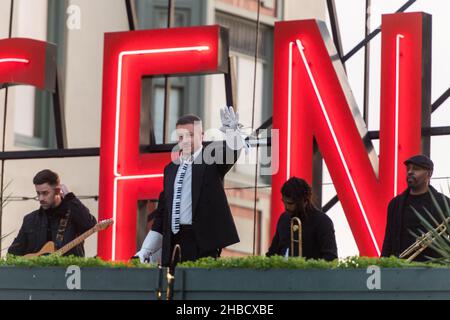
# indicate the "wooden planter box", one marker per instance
pixel 211 284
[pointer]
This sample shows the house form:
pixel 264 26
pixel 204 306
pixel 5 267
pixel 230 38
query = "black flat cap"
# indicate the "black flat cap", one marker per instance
pixel 421 161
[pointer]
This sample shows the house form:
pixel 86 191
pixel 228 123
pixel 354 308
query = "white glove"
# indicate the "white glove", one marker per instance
pixel 235 138
pixel 156 257
pixel 152 243
pixel 230 120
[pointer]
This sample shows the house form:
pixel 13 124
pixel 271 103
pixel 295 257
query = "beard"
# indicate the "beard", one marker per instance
pixel 411 181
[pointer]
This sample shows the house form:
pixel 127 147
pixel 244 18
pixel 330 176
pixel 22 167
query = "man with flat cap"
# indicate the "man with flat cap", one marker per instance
pixel 402 218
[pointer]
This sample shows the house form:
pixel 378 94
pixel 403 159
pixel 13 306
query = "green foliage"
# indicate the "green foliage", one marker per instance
pixel 250 262
pixel 58 261
pixel 278 262
pixel 438 233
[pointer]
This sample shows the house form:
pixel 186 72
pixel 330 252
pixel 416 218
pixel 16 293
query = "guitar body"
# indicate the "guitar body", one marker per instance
pixel 47 248
pixel 50 248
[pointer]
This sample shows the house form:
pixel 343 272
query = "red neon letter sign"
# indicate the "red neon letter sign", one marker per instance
pixel 28 61
pixel 126 175
pixel 311 91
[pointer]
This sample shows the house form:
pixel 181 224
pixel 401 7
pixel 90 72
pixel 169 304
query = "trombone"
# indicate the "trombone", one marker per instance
pixel 171 272
pixel 296 228
pixel 170 275
pixel 424 241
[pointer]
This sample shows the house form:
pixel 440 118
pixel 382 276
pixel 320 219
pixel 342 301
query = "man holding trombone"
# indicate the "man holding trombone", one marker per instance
pixel 302 230
pixel 402 219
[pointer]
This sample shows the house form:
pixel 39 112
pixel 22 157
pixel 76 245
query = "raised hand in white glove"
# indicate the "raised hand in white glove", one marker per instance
pixel 235 138
pixel 152 243
pixel 230 120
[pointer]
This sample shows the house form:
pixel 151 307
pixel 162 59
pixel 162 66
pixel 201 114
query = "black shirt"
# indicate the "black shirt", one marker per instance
pixel 411 222
pixel 318 239
pixel 54 216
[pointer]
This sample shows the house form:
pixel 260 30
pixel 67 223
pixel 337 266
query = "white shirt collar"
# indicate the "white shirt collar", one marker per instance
pixel 191 158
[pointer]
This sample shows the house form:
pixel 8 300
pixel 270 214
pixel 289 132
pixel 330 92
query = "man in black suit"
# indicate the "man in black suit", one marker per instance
pixel 403 210
pixel 193 210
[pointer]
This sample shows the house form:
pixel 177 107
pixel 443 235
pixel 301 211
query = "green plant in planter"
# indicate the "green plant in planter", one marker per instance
pixel 279 262
pixel 438 234
pixel 58 261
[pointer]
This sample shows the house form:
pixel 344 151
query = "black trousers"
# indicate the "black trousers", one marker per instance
pixel 190 251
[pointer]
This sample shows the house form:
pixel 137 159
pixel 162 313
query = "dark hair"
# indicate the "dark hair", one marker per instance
pixel 298 190
pixel 188 119
pixel 46 176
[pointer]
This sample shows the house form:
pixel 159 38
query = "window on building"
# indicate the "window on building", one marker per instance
pixel 186 92
pixel 34 124
pixel 242 34
pixel 175 108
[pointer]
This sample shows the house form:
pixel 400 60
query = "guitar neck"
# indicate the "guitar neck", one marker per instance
pixel 76 241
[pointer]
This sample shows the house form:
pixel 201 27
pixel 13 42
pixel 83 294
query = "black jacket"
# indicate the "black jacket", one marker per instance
pixel 33 233
pixel 212 220
pixel 318 239
pixel 394 225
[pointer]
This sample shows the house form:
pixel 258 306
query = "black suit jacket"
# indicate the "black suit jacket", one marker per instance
pixel 212 221
pixel 394 225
